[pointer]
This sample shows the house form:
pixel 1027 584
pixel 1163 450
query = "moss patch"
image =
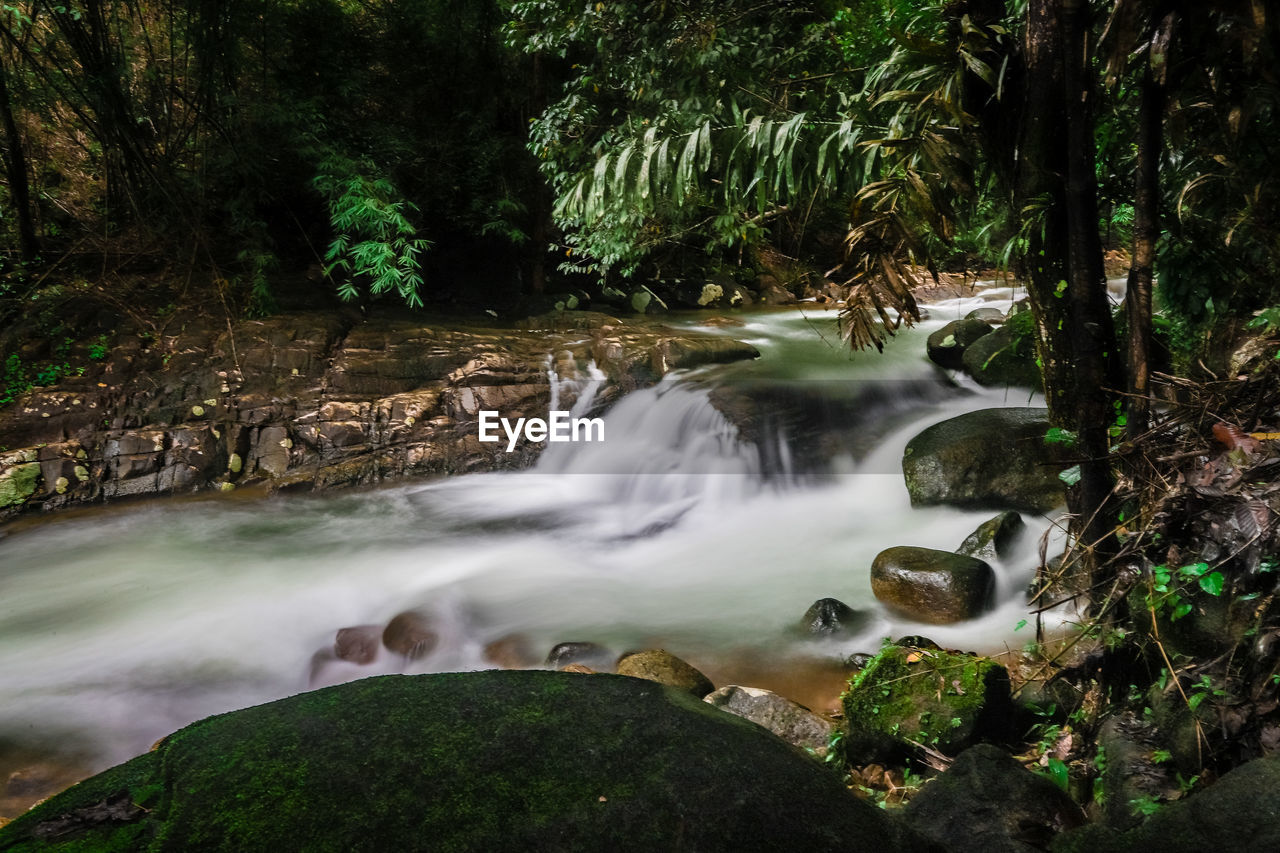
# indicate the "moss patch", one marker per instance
pixel 941 699
pixel 483 761
pixel 18 483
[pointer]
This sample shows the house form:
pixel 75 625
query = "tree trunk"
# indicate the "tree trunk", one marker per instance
pixel 1056 188
pixel 15 162
pixel 1146 231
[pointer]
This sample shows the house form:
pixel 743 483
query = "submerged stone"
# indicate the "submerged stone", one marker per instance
pixel 993 537
pixel 494 761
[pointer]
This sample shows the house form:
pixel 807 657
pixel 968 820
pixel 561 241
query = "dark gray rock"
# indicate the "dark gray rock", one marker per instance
pixel 1003 359
pixel 993 537
pixel 830 617
pixel 946 347
pixel 590 654
pixel 988 459
pixel 987 802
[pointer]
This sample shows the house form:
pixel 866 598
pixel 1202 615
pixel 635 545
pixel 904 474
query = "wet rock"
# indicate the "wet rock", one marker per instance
pixel 665 668
pixel 789 720
pixel 1241 811
pixel 991 316
pixel 605 763
pixel 987 459
pixel 987 802
pixel 858 661
pixel 1004 359
pixel 931 586
pixel 580 669
pixel 359 644
pixel 946 347
pixel 591 654
pixel 944 700
pixel 915 641
pixel 410 634
pixel 772 292
pixel 830 617
pixel 1129 771
pixel 993 538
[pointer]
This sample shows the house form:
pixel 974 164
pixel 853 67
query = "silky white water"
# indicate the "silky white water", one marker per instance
pixel 120 626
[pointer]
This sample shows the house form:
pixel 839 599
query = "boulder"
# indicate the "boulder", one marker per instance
pixel 791 721
pixel 993 537
pixel 830 617
pixel 987 459
pixel 495 761
pixel 931 586
pixel 772 292
pixel 987 802
pixel 1003 359
pixel 946 346
pixel 665 668
pixel 944 700
pixel 1241 811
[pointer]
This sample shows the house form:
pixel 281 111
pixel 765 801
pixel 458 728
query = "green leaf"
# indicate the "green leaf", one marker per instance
pixel 1070 476
pixel 1059 773
pixel 1212 583
pixel 1058 435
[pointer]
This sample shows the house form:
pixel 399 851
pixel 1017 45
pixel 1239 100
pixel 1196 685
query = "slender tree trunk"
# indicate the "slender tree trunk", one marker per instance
pixel 540 233
pixel 1096 363
pixel 1146 231
pixel 1057 192
pixel 15 162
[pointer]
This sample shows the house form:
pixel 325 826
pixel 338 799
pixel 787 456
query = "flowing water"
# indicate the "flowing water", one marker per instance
pixel 120 625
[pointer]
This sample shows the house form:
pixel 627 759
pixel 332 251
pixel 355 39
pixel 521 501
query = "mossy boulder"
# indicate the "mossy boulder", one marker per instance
pixel 946 347
pixel 1241 811
pixel 994 537
pixel 1005 358
pixel 986 459
pixel 945 700
pixel 665 668
pixel 931 586
pixel 495 761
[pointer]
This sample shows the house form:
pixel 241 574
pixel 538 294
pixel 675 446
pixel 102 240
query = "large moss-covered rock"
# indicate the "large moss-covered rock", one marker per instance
pixel 931 586
pixel 986 459
pixel 494 761
pixel 987 802
pixel 945 700
pixel 1005 358
pixel 1239 812
pixel 946 347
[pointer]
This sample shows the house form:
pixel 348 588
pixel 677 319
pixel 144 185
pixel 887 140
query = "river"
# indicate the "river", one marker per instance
pixel 122 624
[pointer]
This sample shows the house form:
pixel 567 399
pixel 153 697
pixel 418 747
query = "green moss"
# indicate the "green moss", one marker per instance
pixel 499 761
pixel 18 483
pixel 940 699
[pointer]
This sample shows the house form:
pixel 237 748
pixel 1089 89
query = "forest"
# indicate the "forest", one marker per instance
pixel 250 249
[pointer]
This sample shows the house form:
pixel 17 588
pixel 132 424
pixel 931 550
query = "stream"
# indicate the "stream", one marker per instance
pixel 120 625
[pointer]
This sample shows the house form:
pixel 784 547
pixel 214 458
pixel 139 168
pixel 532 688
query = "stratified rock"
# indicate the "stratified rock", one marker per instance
pixel 1003 359
pixel 946 347
pixel 987 459
pixel 591 654
pixel 1241 811
pixel 665 668
pixel 931 586
pixel 789 720
pixel 495 761
pixel 987 802
pixel 943 700
pixel 410 634
pixel 358 644
pixel 993 537
pixel 830 617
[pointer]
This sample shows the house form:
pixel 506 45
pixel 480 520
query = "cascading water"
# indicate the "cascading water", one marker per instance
pixel 118 627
